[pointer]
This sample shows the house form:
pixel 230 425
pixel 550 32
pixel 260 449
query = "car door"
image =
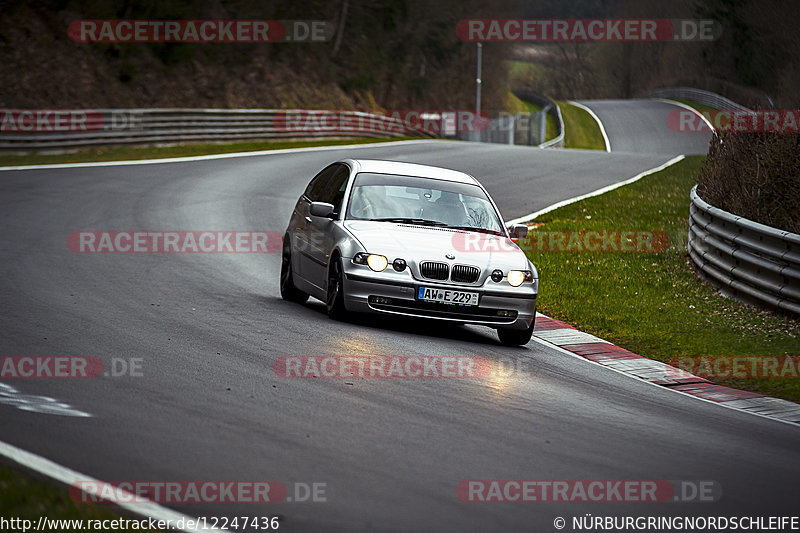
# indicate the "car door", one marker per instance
pixel 303 244
pixel 321 230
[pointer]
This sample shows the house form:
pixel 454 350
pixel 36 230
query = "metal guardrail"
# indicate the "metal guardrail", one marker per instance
pixel 521 129
pixel 148 126
pixel 498 131
pixel 526 129
pixel 22 130
pixel 754 262
pixel 697 95
pixel 559 139
pixel 548 106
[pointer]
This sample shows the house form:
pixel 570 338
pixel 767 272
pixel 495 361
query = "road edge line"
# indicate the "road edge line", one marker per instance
pixel 596 119
pixel 556 347
pixel 69 477
pixel 598 192
pixel 189 158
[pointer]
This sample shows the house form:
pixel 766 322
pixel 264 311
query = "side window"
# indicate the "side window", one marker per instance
pixel 334 191
pixel 315 189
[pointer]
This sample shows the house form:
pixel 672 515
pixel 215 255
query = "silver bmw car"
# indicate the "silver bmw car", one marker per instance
pixel 412 240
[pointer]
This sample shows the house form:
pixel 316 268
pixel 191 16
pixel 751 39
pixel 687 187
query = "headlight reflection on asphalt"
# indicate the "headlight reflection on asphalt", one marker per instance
pixel 500 379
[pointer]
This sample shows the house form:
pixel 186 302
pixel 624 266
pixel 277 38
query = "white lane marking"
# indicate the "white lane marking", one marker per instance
pixel 596 119
pixel 661 387
pixel 213 156
pixel 69 477
pixel 37 404
pixel 598 192
pixel 690 108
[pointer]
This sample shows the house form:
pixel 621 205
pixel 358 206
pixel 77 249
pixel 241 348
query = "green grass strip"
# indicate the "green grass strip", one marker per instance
pixel 25 497
pixel 125 153
pixel 580 128
pixel 653 303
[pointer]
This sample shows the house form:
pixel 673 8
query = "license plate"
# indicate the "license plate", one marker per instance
pixel 446 296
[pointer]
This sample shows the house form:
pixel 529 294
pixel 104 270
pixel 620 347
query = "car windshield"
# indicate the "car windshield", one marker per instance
pixel 423 201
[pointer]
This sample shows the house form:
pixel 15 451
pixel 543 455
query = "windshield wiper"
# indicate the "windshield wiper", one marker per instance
pixel 480 230
pixel 420 221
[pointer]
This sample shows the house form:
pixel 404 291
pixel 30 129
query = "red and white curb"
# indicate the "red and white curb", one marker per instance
pixel 604 353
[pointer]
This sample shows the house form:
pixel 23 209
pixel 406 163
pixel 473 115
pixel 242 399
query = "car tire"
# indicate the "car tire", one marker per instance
pixel 515 337
pixel 335 300
pixel 289 292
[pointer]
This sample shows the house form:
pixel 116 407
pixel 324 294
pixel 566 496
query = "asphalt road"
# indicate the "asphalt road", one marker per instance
pixel 391 452
pixel 640 126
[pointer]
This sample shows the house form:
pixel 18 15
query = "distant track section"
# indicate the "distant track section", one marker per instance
pixel 641 127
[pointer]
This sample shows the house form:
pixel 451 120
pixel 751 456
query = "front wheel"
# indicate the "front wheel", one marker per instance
pixel 288 291
pixel 335 301
pixel 516 337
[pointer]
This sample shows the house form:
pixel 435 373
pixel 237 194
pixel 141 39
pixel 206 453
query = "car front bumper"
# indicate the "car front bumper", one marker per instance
pixel 502 307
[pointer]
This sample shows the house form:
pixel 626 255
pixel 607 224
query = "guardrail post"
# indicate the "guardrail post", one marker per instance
pixel 543 123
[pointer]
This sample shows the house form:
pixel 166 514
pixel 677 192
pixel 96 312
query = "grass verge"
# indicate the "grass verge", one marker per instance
pixel 27 498
pixel 125 153
pixel 653 303
pixel 580 129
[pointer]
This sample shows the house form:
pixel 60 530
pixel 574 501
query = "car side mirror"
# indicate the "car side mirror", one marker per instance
pixel 519 231
pixel 321 209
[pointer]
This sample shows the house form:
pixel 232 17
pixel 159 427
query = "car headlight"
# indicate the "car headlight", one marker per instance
pixel 378 263
pixel 517 277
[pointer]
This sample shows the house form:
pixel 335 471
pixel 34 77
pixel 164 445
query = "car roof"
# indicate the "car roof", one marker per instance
pixel 377 166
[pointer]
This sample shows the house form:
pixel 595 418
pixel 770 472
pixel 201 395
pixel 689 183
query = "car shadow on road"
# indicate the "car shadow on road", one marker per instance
pixel 400 324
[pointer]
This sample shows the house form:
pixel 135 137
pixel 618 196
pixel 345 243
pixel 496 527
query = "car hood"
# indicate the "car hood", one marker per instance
pixel 419 243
